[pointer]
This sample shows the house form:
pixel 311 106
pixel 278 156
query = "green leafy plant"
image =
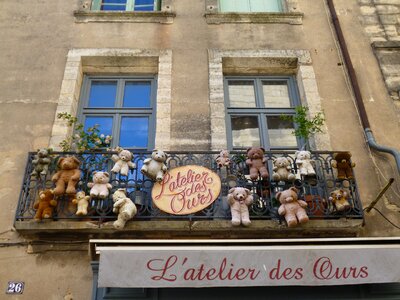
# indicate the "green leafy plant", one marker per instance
pixel 83 140
pixel 306 126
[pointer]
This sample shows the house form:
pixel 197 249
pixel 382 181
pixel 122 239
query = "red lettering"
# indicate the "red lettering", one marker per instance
pixel 287 273
pixel 169 263
pixel 325 270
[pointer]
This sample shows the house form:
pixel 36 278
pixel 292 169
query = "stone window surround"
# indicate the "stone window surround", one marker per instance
pixel 115 61
pixel 268 62
pixel 290 14
pixel 165 16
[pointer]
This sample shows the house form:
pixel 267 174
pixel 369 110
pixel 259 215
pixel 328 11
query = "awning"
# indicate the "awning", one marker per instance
pixel 219 263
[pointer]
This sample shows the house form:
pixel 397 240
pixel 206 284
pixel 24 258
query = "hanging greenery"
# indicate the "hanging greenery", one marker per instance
pixel 83 140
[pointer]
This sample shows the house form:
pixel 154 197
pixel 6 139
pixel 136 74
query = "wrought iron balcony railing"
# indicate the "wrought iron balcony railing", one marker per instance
pixel 315 191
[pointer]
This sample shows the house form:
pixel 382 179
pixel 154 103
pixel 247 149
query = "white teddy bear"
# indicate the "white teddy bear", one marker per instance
pixel 303 162
pixel 82 202
pixel 122 161
pixel 100 186
pixel 124 207
pixel 155 167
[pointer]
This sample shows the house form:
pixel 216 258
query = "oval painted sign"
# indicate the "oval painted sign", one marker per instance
pixel 186 190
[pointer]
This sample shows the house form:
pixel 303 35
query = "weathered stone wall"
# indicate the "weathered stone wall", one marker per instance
pixel 381 19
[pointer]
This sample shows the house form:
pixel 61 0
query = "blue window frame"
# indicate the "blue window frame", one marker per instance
pixel 122 107
pixel 126 5
pixel 254 107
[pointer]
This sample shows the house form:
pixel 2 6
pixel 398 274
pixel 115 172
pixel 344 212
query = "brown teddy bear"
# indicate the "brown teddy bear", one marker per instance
pixel 341 161
pixel 82 202
pixel 100 186
pixel 239 199
pixel 282 170
pixel 223 159
pixel 155 167
pixel 256 161
pixel 339 198
pixel 44 205
pixel 122 161
pixel 67 176
pixel 292 208
pixel 41 162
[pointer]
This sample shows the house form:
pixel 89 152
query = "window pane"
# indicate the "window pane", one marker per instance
pixel 241 94
pixel 280 132
pixel 113 5
pixel 105 124
pixel 265 5
pixel 102 93
pixel 276 94
pixel 137 94
pixel 134 132
pixel 245 131
pixel 144 5
pixel 234 5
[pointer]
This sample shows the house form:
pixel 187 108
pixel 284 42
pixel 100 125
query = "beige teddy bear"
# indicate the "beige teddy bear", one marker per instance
pixel 122 162
pixel 292 208
pixel 155 167
pixel 303 163
pixel 282 170
pixel 223 159
pixel 339 198
pixel 124 207
pixel 240 199
pixel 82 202
pixel 100 186
pixel 67 176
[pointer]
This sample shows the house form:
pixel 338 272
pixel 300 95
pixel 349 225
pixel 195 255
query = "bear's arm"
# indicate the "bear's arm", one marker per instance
pixel 55 177
pixel 231 200
pixel 164 167
pixel 147 160
pixel 75 201
pixel 302 203
pixel 109 186
pixel 77 175
pixel 36 205
pixel 90 184
pixel 249 162
pixel 131 165
pixel 53 203
pixel 115 158
pixel 119 203
pixel 46 160
pixel 249 200
pixel 282 210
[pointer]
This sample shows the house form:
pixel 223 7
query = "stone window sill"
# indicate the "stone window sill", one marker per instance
pixel 85 16
pixel 293 18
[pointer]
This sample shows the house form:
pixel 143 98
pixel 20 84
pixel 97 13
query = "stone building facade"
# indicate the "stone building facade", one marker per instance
pixel 52 51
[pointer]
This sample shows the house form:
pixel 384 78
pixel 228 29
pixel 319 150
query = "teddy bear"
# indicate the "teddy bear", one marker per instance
pixel 67 176
pixel 41 162
pixel 303 163
pixel 223 159
pixel 82 202
pixel 256 161
pixel 291 208
pixel 155 167
pixel 44 205
pixel 100 186
pixel 124 207
pixel 341 161
pixel 122 161
pixel 339 198
pixel 239 199
pixel 282 170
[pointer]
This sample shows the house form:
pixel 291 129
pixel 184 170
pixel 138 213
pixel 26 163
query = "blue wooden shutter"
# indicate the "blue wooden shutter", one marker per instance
pixel 265 5
pixel 96 5
pixel 234 5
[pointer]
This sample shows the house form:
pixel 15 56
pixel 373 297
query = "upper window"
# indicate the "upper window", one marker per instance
pixel 121 107
pixel 250 5
pixel 126 5
pixel 255 106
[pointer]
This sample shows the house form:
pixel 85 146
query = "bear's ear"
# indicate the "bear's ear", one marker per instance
pixel 296 153
pixel 294 189
pixel 76 160
pixel 343 192
pixel 106 173
pixel 333 193
pixel 94 173
pixel 60 160
pixel 155 150
pixel 248 192
pixel 248 150
pixel 231 190
pixel 263 150
pixel 278 195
